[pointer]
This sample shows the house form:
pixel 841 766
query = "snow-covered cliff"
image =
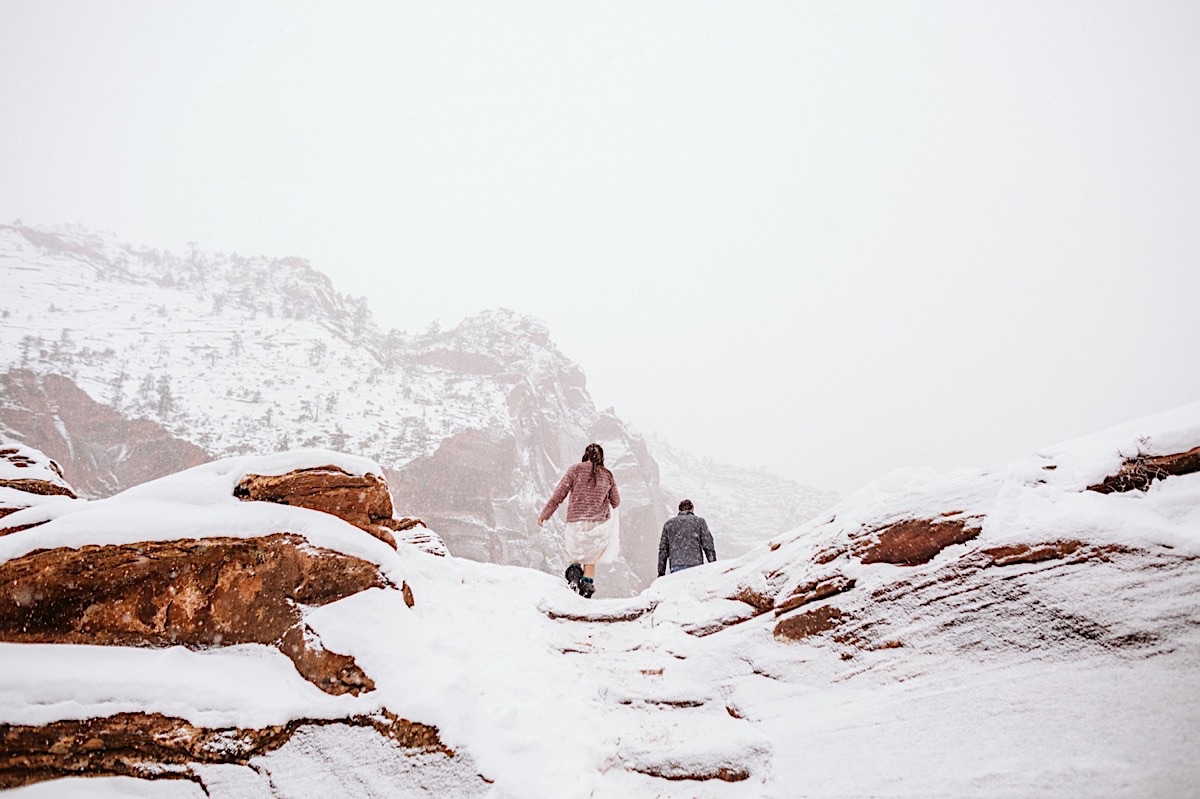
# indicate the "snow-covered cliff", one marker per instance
pixel 126 364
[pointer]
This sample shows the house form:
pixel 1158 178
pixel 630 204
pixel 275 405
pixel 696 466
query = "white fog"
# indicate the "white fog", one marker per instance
pixel 874 323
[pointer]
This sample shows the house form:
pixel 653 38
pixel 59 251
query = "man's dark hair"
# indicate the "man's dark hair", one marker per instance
pixel 685 505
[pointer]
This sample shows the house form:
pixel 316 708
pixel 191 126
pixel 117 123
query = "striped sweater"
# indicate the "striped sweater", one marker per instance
pixel 589 501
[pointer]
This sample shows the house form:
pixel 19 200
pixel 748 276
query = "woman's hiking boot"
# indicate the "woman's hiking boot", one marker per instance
pixel 574 574
pixel 587 587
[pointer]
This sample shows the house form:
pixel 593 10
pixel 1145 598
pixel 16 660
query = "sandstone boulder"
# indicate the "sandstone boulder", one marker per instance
pixel 362 500
pixel 194 593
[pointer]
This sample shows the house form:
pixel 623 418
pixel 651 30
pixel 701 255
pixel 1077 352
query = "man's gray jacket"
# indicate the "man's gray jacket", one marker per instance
pixel 685 541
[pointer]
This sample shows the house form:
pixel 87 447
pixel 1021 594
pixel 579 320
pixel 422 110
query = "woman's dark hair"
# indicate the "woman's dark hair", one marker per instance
pixel 595 454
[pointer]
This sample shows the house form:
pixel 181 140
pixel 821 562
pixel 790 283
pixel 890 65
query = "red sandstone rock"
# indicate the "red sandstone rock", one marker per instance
pixel 412 531
pixel 39 487
pixel 802 625
pixel 140 744
pixel 675 772
pixel 828 555
pixel 914 541
pixel 363 501
pixel 211 592
pixel 755 599
pixel 1023 553
pixel 402 524
pixel 1076 551
pixel 812 591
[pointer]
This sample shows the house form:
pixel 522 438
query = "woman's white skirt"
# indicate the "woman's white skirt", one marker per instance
pixel 593 542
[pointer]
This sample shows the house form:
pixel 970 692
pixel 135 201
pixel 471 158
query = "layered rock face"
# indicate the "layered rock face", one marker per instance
pixel 102 450
pixel 960 586
pixel 483 488
pixel 1140 472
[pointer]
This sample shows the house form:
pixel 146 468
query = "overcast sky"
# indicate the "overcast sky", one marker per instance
pixel 831 239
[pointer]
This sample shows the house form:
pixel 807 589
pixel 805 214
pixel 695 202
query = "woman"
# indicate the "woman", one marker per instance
pixel 592 534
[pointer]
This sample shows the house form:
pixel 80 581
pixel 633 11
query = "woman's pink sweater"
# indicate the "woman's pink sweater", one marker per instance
pixel 590 502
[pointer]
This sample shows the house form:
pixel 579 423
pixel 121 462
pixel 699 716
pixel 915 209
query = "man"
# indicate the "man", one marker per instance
pixel 685 541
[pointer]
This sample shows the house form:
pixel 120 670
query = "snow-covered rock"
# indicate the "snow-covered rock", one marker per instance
pixel 28 478
pixel 28 470
pixel 1007 632
pixel 195 560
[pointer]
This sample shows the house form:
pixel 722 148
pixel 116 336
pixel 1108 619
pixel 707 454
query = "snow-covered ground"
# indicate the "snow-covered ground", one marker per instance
pixel 956 682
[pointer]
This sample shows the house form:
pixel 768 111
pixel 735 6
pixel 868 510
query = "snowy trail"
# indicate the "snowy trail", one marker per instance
pixel 663 727
pixel 561 708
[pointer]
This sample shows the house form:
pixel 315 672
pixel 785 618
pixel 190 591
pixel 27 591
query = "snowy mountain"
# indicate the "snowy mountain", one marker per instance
pixel 1030 629
pixel 125 364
